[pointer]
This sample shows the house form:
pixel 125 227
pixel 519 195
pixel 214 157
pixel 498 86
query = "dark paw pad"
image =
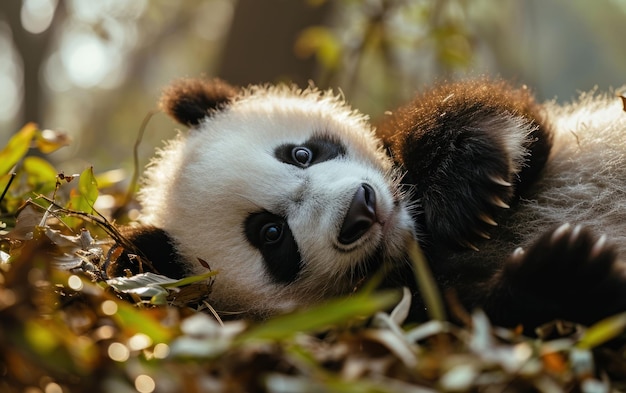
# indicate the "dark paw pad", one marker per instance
pixel 569 273
pixel 562 257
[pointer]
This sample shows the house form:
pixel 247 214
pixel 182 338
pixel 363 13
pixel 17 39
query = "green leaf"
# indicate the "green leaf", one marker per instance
pixel 84 197
pixel 88 187
pixel 55 347
pixel 40 174
pixel 135 320
pixel 41 338
pixel 322 316
pixel 159 299
pixel 5 184
pixel 190 280
pixel 17 148
pixel 603 331
pixel 111 178
pixel 48 141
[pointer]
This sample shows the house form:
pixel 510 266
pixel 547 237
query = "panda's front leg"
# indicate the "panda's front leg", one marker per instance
pixel 468 149
pixel 568 273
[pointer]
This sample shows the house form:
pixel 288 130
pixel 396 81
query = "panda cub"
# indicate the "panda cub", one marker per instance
pixel 294 198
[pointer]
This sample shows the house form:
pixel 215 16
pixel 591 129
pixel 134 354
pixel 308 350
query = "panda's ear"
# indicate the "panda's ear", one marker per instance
pixel 189 101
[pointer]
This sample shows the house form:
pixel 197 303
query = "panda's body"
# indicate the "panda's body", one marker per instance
pixel 294 198
pixel 584 181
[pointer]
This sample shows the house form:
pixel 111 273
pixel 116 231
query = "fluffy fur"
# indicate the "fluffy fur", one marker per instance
pixel 294 197
pixel 202 185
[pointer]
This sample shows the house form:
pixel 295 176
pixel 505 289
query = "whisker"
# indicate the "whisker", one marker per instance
pixel 245 198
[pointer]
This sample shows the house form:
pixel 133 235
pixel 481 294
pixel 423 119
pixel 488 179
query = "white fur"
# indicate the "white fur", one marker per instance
pixel 211 179
pixel 584 181
pixel 514 132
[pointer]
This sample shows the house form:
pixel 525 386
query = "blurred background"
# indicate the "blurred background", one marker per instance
pixel 95 68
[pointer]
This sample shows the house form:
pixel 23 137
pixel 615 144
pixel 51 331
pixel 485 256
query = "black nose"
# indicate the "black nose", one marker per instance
pixel 361 215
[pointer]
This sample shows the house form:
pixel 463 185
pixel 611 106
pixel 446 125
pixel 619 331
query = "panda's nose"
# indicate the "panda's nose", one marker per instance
pixel 361 215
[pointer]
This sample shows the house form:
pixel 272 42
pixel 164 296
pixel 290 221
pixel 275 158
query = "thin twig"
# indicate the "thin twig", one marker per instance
pixel 135 177
pixel 103 223
pixel 6 189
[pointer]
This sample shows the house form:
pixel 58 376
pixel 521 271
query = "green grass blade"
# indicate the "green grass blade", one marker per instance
pixel 603 331
pixel 321 316
pixel 426 283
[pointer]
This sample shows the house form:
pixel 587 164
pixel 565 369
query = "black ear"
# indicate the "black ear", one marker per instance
pixel 189 101
pixel 150 249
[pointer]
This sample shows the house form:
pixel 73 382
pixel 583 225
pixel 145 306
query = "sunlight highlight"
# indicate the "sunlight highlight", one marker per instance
pixel 36 15
pixel 87 60
pixel 144 384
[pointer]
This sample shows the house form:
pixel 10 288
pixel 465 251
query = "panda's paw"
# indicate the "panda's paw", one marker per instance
pixel 568 273
pixel 466 212
pixel 491 196
pixel 568 251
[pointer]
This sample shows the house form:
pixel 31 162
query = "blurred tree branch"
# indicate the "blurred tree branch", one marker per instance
pixel 33 51
pixel 138 63
pixel 260 46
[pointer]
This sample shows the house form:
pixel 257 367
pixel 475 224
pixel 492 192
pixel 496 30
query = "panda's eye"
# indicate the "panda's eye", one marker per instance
pixel 302 155
pixel 271 233
pixel 271 236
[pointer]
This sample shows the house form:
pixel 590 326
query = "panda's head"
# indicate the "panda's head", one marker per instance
pixel 286 192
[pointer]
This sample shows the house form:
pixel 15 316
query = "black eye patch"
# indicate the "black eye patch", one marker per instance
pixel 317 149
pixel 271 235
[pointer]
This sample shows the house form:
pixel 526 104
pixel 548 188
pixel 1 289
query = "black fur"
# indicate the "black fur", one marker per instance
pixel 452 150
pixel 322 147
pixel 451 146
pixel 189 100
pixel 280 253
pixel 567 273
pixel 154 251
